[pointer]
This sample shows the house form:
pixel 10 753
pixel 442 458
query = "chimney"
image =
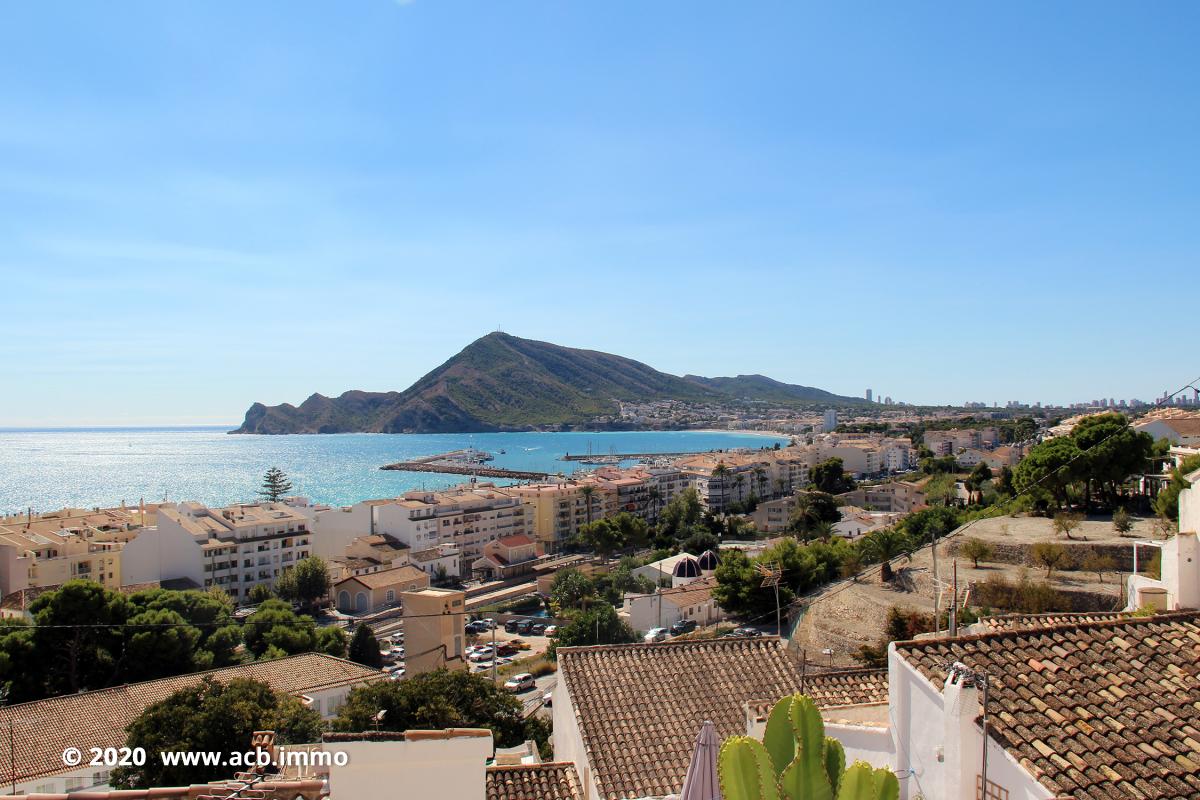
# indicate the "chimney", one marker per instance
pixel 961 737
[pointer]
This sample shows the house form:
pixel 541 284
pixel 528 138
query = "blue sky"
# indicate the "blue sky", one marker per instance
pixel 205 204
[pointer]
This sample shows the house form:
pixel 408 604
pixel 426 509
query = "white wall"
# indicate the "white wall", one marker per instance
pixel 434 768
pixel 568 741
pixel 864 743
pixel 334 528
pixel 162 553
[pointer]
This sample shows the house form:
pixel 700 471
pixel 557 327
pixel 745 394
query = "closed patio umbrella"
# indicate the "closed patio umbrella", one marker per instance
pixel 701 781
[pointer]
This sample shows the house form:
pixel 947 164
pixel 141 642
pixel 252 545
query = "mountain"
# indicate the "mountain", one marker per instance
pixel 504 383
pixel 760 387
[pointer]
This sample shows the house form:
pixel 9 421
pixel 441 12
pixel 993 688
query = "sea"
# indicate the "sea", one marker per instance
pixel 47 469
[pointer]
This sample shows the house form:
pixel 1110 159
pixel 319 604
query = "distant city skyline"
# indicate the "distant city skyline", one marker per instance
pixel 210 204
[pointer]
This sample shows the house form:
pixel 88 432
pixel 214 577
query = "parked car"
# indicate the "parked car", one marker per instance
pixel 656 635
pixel 491 623
pixel 525 627
pixel 521 682
pixel 506 649
pixel 548 699
pixel 744 633
pixel 538 629
pixel 482 654
pixel 511 625
pixel 552 630
pixel 683 626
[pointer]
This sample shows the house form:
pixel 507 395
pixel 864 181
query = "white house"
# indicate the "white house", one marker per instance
pixel 693 601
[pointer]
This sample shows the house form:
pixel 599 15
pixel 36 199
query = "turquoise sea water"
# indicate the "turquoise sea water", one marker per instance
pixel 49 469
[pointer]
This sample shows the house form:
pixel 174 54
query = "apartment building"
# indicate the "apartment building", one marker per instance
pixel 556 510
pixel 42 550
pixel 949 442
pixel 467 517
pixel 239 547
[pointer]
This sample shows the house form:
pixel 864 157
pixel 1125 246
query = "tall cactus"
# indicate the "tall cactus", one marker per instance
pixel 797 761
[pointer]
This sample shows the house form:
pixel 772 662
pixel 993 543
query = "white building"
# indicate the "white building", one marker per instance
pixel 240 546
pixel 693 601
pixel 830 420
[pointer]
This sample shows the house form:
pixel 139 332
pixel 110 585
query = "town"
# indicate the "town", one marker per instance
pixel 924 584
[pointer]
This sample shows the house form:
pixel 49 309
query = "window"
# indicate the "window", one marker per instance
pixel 390 596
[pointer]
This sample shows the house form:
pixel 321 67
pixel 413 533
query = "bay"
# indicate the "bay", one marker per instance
pixel 47 469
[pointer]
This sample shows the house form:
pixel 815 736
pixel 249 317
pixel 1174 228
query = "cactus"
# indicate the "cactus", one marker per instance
pixel 797 761
pixel 745 770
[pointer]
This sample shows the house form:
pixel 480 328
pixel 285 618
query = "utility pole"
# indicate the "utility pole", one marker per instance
pixel 494 653
pixel 954 603
pixel 937 592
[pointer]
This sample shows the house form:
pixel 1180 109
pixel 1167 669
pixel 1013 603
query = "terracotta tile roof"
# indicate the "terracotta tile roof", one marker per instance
pixel 639 706
pixel 21 599
pixel 515 540
pixel 1094 711
pixel 99 718
pixel 690 594
pixel 1016 622
pixel 549 781
pixel 389 577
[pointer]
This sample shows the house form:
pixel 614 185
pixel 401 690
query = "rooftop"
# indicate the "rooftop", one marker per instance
pixel 549 781
pixel 388 577
pixel 1094 710
pixel 99 717
pixel 642 704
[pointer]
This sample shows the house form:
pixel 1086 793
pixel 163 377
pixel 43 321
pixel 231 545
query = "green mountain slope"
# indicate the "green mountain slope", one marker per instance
pixel 502 382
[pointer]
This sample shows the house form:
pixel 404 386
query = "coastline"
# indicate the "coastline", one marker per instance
pixel 770 434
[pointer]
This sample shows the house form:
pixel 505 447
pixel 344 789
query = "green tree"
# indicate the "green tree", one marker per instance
pixel 1113 452
pixel 977 550
pixel 830 477
pixel 21 673
pixel 274 630
pixel 435 701
pixel 275 485
pixel 740 590
pixel 211 716
pixel 587 491
pixel 1122 521
pixel 598 624
pixel 1099 563
pixel 332 641
pixel 78 636
pixel 1048 555
pixel 699 541
pixel 306 583
pixel 634 530
pixel 1065 522
pixel 570 588
pixel 1166 505
pixel 812 509
pixel 259 593
pixel 165 645
pixel 682 512
pixel 884 546
pixel 602 537
pixel 1052 465
pixel 720 473
pixel 210 614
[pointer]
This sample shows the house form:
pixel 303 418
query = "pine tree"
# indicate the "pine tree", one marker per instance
pixel 364 649
pixel 275 485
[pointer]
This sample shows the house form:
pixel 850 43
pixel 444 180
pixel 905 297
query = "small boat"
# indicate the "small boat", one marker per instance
pixel 502 452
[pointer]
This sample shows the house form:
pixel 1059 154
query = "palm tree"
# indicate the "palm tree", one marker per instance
pixel 884 546
pixel 822 530
pixel 587 492
pixel 737 483
pixel 721 472
pixel 760 475
pixel 655 498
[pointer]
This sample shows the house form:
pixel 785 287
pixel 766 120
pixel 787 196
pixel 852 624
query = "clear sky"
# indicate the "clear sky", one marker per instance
pixel 205 204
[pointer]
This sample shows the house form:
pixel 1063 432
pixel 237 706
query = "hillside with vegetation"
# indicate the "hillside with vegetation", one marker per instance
pixel 504 383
